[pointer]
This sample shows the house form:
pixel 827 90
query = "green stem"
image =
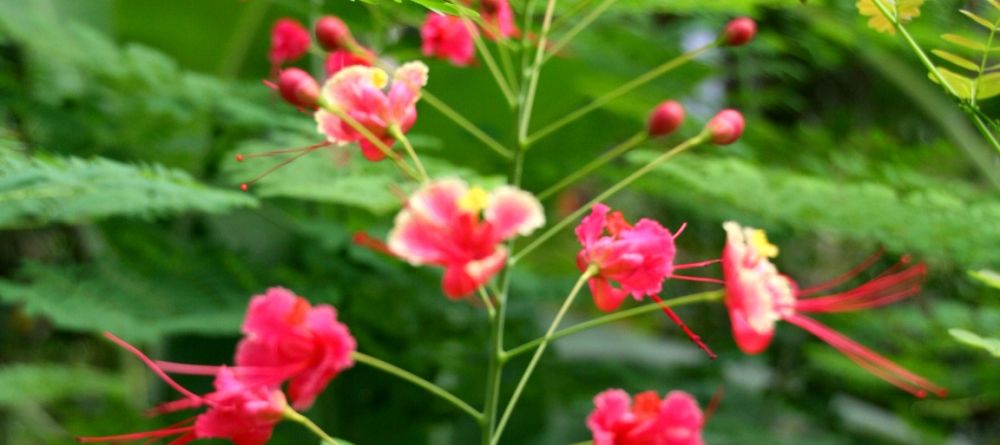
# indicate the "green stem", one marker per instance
pixel 586 442
pixel 590 272
pixel 295 416
pixel 580 26
pixel 487 302
pixel 468 126
pixel 618 92
pixel 353 123
pixel 617 316
pixel 529 98
pixel 494 372
pixel 418 381
pixel 508 64
pixel 568 14
pixel 680 148
pixel 395 132
pixel 618 150
pixel 487 56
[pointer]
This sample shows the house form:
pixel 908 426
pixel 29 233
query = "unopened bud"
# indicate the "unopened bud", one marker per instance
pixel 726 127
pixel 332 33
pixel 665 118
pixel 739 31
pixel 298 88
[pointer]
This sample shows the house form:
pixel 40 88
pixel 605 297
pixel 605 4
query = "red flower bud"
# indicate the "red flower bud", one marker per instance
pixel 298 88
pixel 332 33
pixel 289 41
pixel 739 31
pixel 665 118
pixel 726 127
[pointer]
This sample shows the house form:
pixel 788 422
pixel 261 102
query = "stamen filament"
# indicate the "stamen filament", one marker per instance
pixel 680 229
pixel 244 186
pixel 240 157
pixel 695 338
pixel 608 156
pixel 841 279
pixel 698 279
pixel 152 366
pixel 694 265
pixel 136 436
pixel 877 292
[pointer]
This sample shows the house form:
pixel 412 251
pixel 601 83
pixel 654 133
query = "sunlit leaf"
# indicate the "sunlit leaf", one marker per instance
pixel 987 277
pixel 988 86
pixel 991 345
pixel 958 60
pixel 964 41
pixel 986 23
pixel 961 84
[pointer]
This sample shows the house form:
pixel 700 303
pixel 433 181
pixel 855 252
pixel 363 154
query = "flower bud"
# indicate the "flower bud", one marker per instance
pixel 739 31
pixel 332 33
pixel 298 88
pixel 726 127
pixel 289 41
pixel 665 118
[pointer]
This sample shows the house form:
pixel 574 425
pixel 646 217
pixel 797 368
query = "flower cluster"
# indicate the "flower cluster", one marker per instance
pixel 451 37
pixel 285 340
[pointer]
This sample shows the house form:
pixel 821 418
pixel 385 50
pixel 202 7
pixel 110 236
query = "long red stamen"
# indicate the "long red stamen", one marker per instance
pixel 363 239
pixel 694 265
pixel 880 291
pixel 302 152
pixel 677 320
pixel 842 278
pixel 680 230
pixel 160 433
pixel 185 439
pixel 173 406
pixel 698 279
pixel 152 365
pixel 188 369
pixel 713 404
pixel 240 157
pixel 872 362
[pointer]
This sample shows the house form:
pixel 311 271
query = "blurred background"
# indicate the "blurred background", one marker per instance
pixel 120 210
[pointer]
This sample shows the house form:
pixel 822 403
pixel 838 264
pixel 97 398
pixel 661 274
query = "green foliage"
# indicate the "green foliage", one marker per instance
pixel 991 345
pixel 980 84
pixel 22 384
pixel 45 189
pixel 987 277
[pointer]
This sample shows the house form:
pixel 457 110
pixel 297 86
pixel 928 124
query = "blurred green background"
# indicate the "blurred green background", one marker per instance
pixel 119 210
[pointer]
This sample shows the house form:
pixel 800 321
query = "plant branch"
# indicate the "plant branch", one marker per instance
pixel 395 132
pixel 297 417
pixel 576 29
pixel 468 126
pixel 418 381
pixel 618 150
pixel 529 96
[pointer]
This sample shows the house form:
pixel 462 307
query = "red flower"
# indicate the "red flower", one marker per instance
pixel 758 296
pixel 237 411
pixel 445 223
pixel 285 338
pixel 616 420
pixel 289 41
pixel 448 37
pixel 358 92
pixel 498 19
pixel 342 58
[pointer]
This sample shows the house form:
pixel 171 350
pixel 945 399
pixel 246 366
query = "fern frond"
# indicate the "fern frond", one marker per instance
pixel 982 84
pixel 45 383
pixel 42 189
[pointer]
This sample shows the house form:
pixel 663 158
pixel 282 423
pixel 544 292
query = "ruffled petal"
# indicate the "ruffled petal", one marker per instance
pixel 513 211
pixel 437 203
pixel 606 297
pixel 417 242
pixel 592 226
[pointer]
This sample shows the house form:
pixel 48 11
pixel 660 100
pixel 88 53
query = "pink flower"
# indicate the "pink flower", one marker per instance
pixel 358 92
pixel 448 37
pixel 616 420
pixel 638 258
pixel 287 338
pixel 498 19
pixel 342 58
pixel 242 413
pixel 758 296
pixel 447 224
pixel 289 41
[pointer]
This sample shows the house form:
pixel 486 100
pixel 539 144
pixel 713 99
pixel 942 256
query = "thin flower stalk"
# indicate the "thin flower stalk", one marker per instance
pixel 576 29
pixel 466 125
pixel 487 56
pixel 536 70
pixel 608 156
pixel 295 416
pixel 408 376
pixel 398 134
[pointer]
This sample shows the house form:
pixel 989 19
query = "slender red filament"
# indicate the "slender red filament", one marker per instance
pixel 698 279
pixel 872 362
pixel 363 239
pixel 680 230
pixel 300 153
pixel 713 404
pixel 152 366
pixel 697 264
pixel 841 279
pixel 188 369
pixel 160 433
pixel 677 320
pixel 883 290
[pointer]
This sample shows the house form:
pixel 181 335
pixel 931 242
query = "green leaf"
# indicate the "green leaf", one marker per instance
pixel 961 84
pixel 995 4
pixel 964 41
pixel 960 61
pixel 971 15
pixel 990 345
pixel 40 190
pixel 46 383
pixel 987 277
pixel 988 86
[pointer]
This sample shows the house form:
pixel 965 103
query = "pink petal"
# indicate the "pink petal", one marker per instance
pixel 592 226
pixel 457 283
pixel 417 242
pixel 606 297
pixel 437 203
pixel 513 211
pixel 482 270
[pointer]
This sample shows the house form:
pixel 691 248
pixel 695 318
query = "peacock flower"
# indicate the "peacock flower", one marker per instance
pixel 238 411
pixel 361 92
pixel 758 296
pixel 289 41
pixel 905 11
pixel 339 59
pixel 448 224
pixel 618 420
pixel 449 38
pixel 498 19
pixel 285 338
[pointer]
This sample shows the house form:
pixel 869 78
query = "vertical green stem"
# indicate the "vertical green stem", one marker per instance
pixel 295 416
pixel 587 274
pixel 529 98
pixel 618 150
pixel 494 372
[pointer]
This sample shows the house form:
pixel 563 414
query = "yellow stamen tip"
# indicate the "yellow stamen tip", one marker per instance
pixel 379 78
pixel 475 200
pixel 764 247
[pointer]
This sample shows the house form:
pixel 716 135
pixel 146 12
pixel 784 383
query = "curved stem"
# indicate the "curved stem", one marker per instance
pixel 487 56
pixel 468 126
pixel 416 380
pixel 576 29
pixel 618 150
pixel 295 416
pixel 680 148
pixel 618 92
pixel 395 132
pixel 483 295
pixel 709 296
pixel 590 272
